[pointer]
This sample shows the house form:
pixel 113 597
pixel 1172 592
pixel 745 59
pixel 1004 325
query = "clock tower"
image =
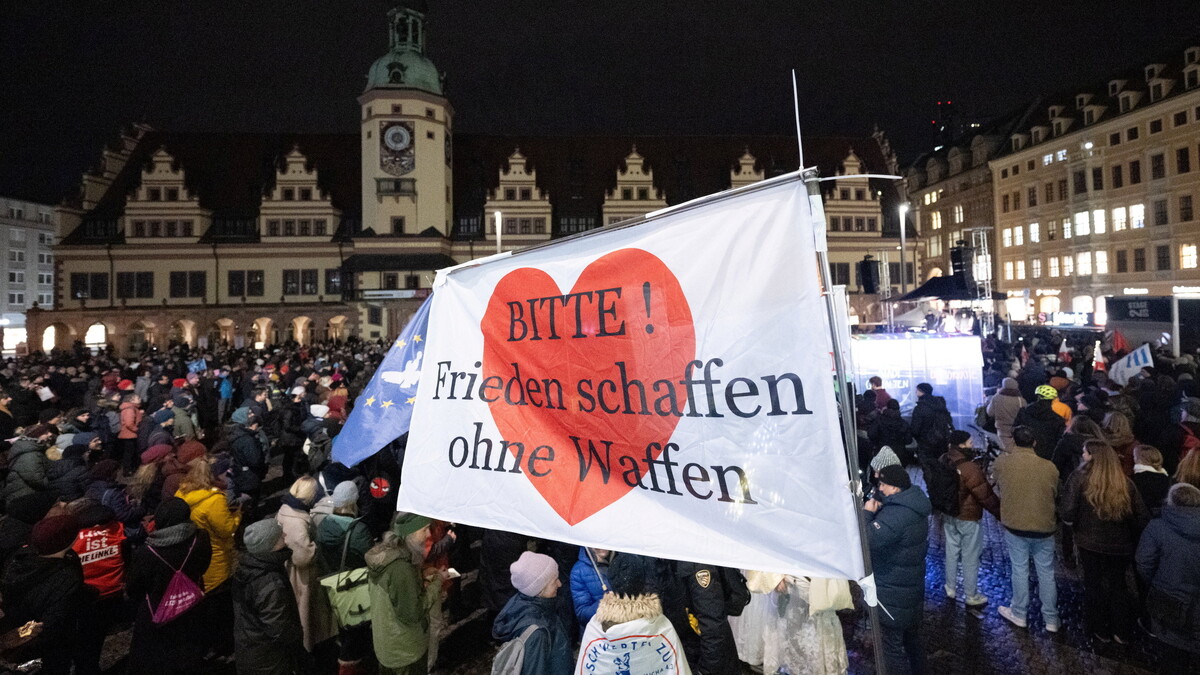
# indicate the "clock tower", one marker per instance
pixel 406 134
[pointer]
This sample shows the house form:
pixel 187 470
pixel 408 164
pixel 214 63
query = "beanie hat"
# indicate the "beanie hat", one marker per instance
pixel 162 415
pixel 172 511
pixel 1059 382
pixel 181 400
pixel 85 438
pixel 178 383
pixel 241 416
pixel 958 437
pixel 345 494
pixel 190 450
pixel 260 537
pixel 319 411
pixel 105 469
pixel 91 513
pixel 1047 392
pixel 885 457
pixel 125 385
pixel 54 534
pixel 925 388
pixel 299 391
pixel 896 476
pixel 1009 383
pixel 75 451
pixel 532 571
pixel 407 523
pixel 630 574
pixel 155 453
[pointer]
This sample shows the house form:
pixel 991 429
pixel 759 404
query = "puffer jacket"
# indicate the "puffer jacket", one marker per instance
pixel 400 605
pixel 587 587
pixel 1004 407
pixel 28 470
pixel 266 624
pixel 69 477
pixel 210 512
pixel 548 650
pixel 891 430
pixel 249 459
pixel 630 635
pixel 131 419
pixel 974 492
pixel 1047 426
pixel 898 534
pixel 930 425
pixel 1166 561
pixel 1092 533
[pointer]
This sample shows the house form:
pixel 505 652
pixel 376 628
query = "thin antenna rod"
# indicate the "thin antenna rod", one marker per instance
pixel 796 107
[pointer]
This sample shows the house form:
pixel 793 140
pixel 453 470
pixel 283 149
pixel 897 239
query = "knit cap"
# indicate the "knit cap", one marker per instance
pixel 319 411
pixel 532 571
pixel 162 415
pixel 54 534
pixel 261 537
pixel 170 512
pixel 885 457
pixel 896 476
pixel 345 494
pixel 407 523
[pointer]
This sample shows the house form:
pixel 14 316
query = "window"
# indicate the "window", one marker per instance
pixel 510 194
pixel 1018 236
pixel 1016 200
pixel 1131 134
pixel 135 284
pixel 154 194
pixel 255 283
pixel 308 282
pixel 1162 258
pixel 1032 194
pixel 391 281
pixel 1114 138
pixel 412 281
pixel 1135 172
pixel 935 247
pixel 1068 265
pixel 1052 230
pixel 1183 160
pixel 1008 270
pixel 319 228
pixel 1047 159
pixel 1117 178
pixel 45 299
pixel 429 113
pixel 1035 268
pixel 289 228
pixel 289 194
pixel 1122 261
pixel 1089 116
pixel 1098 225
pixel 16 298
pixel 397 224
pixel 1004 203
pixel 1062 189
pixel 1185 208
pixel 1004 173
pixel 835 223
pixel 306 194
pixel 16 256
pixel 1139 260
pixel 1101 262
pixel 333 281
pixel 1020 269
pixel 1156 126
pixel 45 239
pixel 94 286
pixel 1060 156
pixel 16 277
pixel 172 194
pixel 526 225
pixel 273 228
pixel 1049 192
pixel 526 194
pixel 844 193
pixel 935 220
pixel 860 194
pixel 1158 167
pixel 291 282
pixel 1180 118
pixel 1160 212
pixel 375 315
pixel 1187 256
pixel 188 284
pixel 237 283
pixel 305 228
pixel 1080 180
pixel 1035 234
pixel 45 278
pixel 1007 237
pixel 860 224
pixel 1137 216
pixel 841 273
pixel 1083 264
pixel 1191 79
pixel 45 258
pixel 1066 228
pixel 1098 178
pixel 510 225
pixel 1054 267
pixel 1082 226
pixel 872 224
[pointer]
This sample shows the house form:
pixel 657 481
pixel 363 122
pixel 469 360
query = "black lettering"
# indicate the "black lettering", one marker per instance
pixel 584 387
pixel 610 310
pixel 609 384
pixel 688 478
pixel 537 456
pixel 585 459
pixel 533 318
pixel 797 388
pixel 731 396
pixel 554 392
pixel 504 447
pixel 626 384
pixel 443 368
pixel 465 451
pixel 668 396
pixel 516 312
pixel 743 483
pixel 487 443
pixel 486 384
pixel 633 474
pixel 531 388
pixel 514 379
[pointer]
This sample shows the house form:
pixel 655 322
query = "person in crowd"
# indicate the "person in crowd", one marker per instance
pixel 1107 514
pixel 210 510
pixel 1118 433
pixel 1046 425
pixel 28 466
pixel 890 429
pixel 898 536
pixel 964 536
pixel 342 544
pixel 930 424
pixel 248 454
pixel 267 635
pixel 1068 453
pixel 401 599
pixel 1028 488
pixel 1189 470
pixel 44 583
pixel 881 395
pixel 131 418
pixel 1166 562
pixel 1003 407
pixel 1061 385
pixel 184 427
pixel 290 439
pixel 1178 439
pixel 175 545
pixel 18 521
pixel 103 551
pixel 547 648
pixel 299 537
pixel 589 582
pixel 8 423
pixel 1150 477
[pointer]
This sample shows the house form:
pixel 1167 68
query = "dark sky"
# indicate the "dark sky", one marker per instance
pixel 71 73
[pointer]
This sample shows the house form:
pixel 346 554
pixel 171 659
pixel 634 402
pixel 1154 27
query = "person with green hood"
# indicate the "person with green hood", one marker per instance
pixel 400 599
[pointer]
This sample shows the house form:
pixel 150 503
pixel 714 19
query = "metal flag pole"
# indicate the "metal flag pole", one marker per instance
pixel 811 178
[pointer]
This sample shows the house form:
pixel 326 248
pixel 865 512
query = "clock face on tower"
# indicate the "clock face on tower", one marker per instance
pixel 396 152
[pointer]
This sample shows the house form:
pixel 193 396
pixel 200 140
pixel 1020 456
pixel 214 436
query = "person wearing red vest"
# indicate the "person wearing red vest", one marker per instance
pixel 103 551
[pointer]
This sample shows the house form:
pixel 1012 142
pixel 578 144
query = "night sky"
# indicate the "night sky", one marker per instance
pixel 73 73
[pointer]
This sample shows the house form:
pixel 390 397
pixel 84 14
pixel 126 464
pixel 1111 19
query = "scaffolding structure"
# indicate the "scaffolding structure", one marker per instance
pixel 981 269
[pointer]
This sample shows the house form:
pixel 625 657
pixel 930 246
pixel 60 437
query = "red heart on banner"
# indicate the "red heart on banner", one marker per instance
pixel 611 321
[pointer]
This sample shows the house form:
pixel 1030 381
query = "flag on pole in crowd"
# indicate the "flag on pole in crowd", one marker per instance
pixel 1129 366
pixel 383 411
pixel 660 388
pixel 1098 362
pixel 1120 346
pixel 1024 354
pixel 1064 354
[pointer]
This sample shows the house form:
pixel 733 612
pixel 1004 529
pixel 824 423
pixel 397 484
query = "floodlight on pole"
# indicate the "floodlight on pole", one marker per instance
pixel 903 245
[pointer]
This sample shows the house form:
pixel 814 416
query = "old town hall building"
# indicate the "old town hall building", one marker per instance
pixel 254 239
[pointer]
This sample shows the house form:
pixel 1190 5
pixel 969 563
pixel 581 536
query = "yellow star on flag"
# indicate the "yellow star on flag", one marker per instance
pixel 411 400
pixel 416 338
pixel 400 342
pixel 386 404
pixel 371 401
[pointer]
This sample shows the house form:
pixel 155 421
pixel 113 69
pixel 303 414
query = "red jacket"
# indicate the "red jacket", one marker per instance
pixel 100 550
pixel 131 418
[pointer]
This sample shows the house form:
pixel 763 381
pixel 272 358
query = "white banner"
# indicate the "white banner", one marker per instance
pixel 662 389
pixel 1130 365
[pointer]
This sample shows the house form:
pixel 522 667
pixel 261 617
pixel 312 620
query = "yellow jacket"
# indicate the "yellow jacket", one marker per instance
pixel 210 512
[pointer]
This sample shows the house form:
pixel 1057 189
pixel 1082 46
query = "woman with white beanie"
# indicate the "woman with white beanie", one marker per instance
pixel 547 649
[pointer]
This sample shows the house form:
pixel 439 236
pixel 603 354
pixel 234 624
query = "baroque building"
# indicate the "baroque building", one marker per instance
pixel 254 239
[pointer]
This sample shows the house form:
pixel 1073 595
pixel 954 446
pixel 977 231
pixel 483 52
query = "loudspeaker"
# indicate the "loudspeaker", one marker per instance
pixel 868 275
pixel 962 267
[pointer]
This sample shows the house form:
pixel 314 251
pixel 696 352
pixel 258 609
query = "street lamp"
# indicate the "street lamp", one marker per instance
pixel 903 245
pixel 499 231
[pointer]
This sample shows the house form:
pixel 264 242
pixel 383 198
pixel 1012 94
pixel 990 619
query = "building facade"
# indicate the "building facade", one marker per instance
pixel 27 230
pixel 254 239
pixel 1095 193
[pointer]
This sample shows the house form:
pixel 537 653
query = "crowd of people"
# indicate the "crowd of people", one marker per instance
pixel 191 495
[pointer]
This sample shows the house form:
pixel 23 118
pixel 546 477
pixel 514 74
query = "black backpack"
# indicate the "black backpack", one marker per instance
pixel 941 479
pixel 737 593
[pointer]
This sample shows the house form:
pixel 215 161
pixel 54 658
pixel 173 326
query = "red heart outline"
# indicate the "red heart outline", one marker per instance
pixel 656 345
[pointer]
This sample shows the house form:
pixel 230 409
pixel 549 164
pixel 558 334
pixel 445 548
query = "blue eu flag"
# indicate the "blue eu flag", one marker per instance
pixel 383 411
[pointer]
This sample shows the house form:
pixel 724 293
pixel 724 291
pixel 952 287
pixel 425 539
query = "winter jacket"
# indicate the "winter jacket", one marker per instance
pixel 898 534
pixel 113 495
pixel 1166 561
pixel 266 624
pixel 331 535
pixel 249 459
pixel 51 591
pixel 1047 426
pixel 974 492
pixel 28 470
pixel 315 613
pixel 400 605
pixel 290 418
pixel 183 427
pixel 69 478
pixel 102 551
pixel 930 425
pixel 210 513
pixel 179 645
pixel 1068 454
pixel 1153 485
pixel 548 651
pixel 1028 486
pixel 1092 533
pixel 890 429
pixel 131 418
pixel 607 647
pixel 1004 407
pixel 587 587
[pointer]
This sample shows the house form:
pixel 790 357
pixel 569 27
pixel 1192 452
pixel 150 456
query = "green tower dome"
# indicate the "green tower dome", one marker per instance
pixel 405 66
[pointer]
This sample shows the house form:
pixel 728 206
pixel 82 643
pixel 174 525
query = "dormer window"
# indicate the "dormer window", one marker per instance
pixel 1127 103
pixel 1191 77
pixel 172 194
pixel 1115 87
pixel 1156 91
pixel 1018 142
pixel 1037 135
pixel 1055 111
pixel 154 195
pixel 1058 129
pixel 1082 100
pixel 1153 70
pixel 1089 116
pixel 1192 55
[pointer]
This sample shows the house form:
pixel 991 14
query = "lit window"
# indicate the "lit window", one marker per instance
pixel 1098 221
pixel 1008 270
pixel 1187 256
pixel 1007 237
pixel 1035 268
pixel 1061 156
pixel 958 214
pixel 1137 216
pixel 1068 265
pixel 1084 263
pixel 1020 269
pixel 935 220
pixel 1018 236
pixel 1046 159
pixel 1066 225
pixel 1101 262
pixel 1118 219
pixel 1054 267
pixel 1081 224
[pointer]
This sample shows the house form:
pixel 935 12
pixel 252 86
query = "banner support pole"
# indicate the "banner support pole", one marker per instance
pixel 845 402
